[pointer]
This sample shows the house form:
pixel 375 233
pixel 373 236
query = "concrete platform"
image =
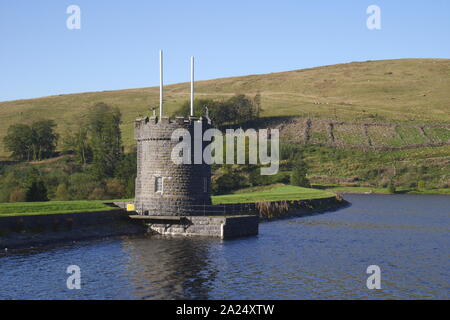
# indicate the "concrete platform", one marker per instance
pixel 156 218
pixel 224 227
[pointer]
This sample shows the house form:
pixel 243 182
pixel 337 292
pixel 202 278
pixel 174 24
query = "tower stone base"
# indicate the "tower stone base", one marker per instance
pixel 164 188
pixel 224 227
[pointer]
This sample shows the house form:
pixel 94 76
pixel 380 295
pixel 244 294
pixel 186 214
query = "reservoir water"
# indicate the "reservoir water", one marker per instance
pixel 316 257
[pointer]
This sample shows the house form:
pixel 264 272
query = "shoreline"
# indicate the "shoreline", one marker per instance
pixel 385 191
pixel 21 233
pixel 24 232
pixel 274 210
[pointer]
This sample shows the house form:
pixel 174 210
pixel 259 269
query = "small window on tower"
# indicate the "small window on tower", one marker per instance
pixel 158 184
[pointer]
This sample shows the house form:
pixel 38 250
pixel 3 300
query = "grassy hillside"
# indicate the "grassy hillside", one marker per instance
pixel 412 91
pixel 374 135
pixel 417 169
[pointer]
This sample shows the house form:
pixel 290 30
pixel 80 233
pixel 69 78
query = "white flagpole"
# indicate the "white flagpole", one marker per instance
pixel 192 86
pixel 161 90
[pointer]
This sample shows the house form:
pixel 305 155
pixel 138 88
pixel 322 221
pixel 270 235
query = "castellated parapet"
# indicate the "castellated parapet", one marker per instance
pixel 164 188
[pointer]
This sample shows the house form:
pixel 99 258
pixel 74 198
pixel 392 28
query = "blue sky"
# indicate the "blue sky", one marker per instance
pixel 117 45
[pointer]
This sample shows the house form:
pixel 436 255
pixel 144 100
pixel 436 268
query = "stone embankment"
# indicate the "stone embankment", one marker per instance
pixel 18 232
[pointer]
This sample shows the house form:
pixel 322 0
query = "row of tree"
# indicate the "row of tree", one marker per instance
pixel 97 169
pixel 97 139
pixel 235 110
pixel 31 142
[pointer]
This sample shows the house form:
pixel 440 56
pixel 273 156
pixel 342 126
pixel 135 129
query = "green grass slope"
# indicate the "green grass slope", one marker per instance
pixel 52 207
pixel 277 193
pixel 406 90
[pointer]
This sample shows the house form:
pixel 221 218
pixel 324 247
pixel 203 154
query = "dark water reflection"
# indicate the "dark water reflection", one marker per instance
pixel 323 256
pixel 174 268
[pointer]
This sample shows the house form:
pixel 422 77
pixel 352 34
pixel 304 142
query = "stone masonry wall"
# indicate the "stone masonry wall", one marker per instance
pixel 183 184
pixel 224 227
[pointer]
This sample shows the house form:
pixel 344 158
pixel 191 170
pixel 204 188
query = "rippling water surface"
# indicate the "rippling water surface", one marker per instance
pixel 323 256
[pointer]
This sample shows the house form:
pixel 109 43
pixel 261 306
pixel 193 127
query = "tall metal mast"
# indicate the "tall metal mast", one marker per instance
pixel 192 86
pixel 161 89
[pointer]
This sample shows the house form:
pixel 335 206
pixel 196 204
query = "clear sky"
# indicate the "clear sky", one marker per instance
pixel 117 45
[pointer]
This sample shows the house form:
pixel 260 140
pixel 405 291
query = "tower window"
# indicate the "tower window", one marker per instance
pixel 158 184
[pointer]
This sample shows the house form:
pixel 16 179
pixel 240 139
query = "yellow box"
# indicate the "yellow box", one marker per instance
pixel 130 207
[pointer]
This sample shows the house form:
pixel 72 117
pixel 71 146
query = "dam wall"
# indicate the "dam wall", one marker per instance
pixel 39 230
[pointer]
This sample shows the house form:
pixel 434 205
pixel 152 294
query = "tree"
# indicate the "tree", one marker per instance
pixel 37 192
pixel 44 139
pixel 231 178
pixel 257 104
pixel 199 105
pixel 98 194
pixel 299 172
pixel 421 185
pixel 227 183
pixel 242 108
pixel 216 110
pixel 391 187
pixel 105 138
pixel 97 139
pixel 256 179
pixel 221 112
pixel 81 185
pixel 18 142
pixel 126 172
pixel 18 195
pixel 78 142
pixel 34 142
pixel 235 110
pixel 61 193
pixel 114 189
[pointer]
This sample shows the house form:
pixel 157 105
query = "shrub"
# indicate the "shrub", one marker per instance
pixel 114 189
pixel 37 192
pixel 421 185
pixel 281 177
pixel 98 194
pixel 256 179
pixel 391 187
pixel 81 185
pixel 228 182
pixel 289 151
pixel 62 193
pixel 18 195
pixel 299 172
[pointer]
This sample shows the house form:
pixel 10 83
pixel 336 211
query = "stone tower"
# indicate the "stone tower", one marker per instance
pixel 164 188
